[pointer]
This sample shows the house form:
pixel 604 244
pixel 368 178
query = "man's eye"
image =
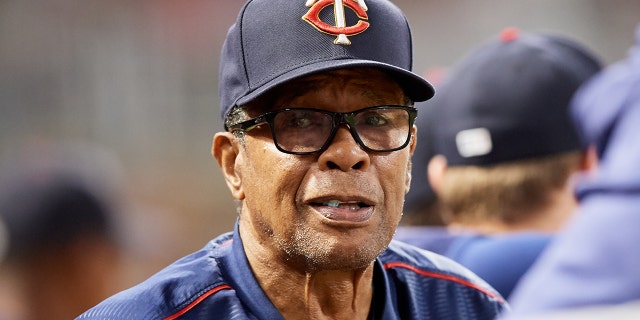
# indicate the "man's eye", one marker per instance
pixel 300 122
pixel 376 120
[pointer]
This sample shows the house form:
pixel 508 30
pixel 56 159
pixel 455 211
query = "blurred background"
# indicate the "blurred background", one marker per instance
pixel 139 78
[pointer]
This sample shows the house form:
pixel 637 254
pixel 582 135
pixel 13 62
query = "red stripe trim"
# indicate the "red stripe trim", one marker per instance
pixel 444 277
pixel 197 301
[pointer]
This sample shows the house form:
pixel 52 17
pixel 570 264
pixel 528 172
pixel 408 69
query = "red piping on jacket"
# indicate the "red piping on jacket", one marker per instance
pixel 197 301
pixel 444 277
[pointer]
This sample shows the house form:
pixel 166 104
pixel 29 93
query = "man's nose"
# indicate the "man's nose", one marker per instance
pixel 344 153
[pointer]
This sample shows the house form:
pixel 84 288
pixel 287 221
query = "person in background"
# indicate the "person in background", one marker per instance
pixel 593 267
pixel 317 104
pixel 57 211
pixel 505 151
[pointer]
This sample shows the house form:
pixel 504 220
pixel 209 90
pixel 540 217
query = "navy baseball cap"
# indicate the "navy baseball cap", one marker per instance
pixel 509 98
pixel 275 41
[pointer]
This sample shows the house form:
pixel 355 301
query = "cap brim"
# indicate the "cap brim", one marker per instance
pixel 416 87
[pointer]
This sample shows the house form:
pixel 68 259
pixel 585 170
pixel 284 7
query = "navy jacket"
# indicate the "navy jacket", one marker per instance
pixel 500 260
pixel 216 282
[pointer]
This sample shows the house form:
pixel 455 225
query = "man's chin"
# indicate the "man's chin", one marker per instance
pixel 342 259
pixel 333 249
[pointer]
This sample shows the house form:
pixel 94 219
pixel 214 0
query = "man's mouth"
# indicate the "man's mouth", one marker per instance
pixel 347 211
pixel 353 205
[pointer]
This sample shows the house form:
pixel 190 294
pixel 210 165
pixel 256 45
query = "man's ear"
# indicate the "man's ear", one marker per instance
pixel 414 140
pixel 412 149
pixel 435 172
pixel 407 181
pixel 225 150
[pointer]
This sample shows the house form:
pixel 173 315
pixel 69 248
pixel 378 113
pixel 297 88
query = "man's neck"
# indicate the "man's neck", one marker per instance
pixel 321 295
pixel 300 294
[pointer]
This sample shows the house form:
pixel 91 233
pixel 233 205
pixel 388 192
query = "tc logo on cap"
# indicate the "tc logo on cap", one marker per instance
pixel 340 29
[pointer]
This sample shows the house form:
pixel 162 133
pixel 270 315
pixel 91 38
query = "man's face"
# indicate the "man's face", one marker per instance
pixel 337 209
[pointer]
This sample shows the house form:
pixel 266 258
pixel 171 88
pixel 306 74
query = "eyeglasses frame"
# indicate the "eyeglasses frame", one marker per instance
pixel 339 118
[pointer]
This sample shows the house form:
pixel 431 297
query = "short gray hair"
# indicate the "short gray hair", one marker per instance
pixel 236 115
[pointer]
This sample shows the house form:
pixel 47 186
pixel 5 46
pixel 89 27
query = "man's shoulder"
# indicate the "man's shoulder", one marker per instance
pixel 436 275
pixel 403 255
pixel 174 288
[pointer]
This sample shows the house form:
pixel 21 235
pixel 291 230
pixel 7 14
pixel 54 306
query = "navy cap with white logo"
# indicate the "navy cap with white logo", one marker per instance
pixel 275 41
pixel 508 100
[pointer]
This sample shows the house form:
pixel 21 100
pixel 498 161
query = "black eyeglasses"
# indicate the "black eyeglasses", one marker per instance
pixel 305 131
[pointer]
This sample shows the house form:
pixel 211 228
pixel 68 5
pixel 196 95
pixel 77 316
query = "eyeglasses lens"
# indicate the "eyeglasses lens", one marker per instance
pixel 307 131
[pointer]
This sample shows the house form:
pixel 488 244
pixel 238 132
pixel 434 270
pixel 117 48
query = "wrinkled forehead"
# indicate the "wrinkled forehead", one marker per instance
pixel 372 83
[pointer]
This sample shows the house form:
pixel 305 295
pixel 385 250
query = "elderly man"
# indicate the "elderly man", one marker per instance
pixel 317 106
